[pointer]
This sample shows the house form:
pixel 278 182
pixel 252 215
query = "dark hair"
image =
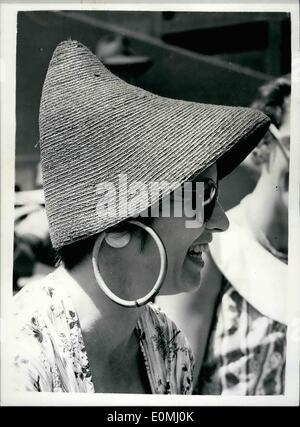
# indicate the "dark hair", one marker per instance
pixel 271 100
pixel 73 254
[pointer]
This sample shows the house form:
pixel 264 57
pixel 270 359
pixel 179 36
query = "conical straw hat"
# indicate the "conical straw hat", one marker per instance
pixel 94 127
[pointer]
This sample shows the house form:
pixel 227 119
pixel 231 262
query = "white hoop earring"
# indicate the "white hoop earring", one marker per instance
pixel 162 273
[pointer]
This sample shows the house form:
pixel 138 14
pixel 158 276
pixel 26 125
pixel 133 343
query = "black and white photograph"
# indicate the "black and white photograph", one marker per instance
pixel 149 225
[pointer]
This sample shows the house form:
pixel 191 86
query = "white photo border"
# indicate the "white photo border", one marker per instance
pixel 8 16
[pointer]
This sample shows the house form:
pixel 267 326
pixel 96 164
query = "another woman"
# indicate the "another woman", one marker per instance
pixel 113 157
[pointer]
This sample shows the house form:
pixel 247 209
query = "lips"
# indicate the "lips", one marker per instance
pixel 195 253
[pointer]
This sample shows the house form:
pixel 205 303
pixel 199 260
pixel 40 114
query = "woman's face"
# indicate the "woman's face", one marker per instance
pixel 184 245
pixel 139 264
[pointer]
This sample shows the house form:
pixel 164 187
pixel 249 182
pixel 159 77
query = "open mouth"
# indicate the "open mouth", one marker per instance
pixel 195 253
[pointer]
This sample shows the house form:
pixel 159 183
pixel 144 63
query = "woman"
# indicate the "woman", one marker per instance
pixel 246 274
pixel 106 148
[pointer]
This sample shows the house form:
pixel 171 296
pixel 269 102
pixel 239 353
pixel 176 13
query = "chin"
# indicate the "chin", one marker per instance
pixel 191 274
pixel 186 279
pixel 189 284
pixel 185 284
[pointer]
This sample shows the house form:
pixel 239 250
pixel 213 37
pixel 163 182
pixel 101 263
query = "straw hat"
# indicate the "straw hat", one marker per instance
pixel 94 126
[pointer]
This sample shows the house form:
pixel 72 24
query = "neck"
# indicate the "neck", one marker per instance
pixel 267 215
pixel 104 324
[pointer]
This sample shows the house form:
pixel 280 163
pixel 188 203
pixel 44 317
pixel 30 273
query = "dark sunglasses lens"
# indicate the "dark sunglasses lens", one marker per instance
pixel 210 198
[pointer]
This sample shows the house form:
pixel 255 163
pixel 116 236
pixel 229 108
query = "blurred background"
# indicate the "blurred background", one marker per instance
pixel 210 57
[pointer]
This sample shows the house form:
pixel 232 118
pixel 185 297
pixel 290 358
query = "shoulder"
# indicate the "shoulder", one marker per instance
pixel 38 297
pixel 171 346
pixel 38 320
pixel 38 304
pixel 160 321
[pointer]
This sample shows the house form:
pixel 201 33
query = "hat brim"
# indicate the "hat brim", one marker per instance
pixel 240 150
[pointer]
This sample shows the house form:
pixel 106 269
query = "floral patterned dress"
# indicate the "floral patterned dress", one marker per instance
pixel 48 354
pixel 246 353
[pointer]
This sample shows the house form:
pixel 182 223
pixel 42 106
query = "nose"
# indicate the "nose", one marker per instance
pixel 218 221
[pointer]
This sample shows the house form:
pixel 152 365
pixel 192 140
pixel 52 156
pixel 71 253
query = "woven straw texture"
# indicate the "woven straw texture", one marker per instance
pixel 94 126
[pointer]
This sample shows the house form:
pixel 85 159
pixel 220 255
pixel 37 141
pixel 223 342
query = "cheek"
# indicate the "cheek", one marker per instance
pixel 172 232
pixel 177 240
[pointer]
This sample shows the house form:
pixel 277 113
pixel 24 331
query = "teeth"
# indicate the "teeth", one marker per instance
pixel 197 249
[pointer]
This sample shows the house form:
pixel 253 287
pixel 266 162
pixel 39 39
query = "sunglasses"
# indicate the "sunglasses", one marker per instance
pixel 211 193
pixel 207 198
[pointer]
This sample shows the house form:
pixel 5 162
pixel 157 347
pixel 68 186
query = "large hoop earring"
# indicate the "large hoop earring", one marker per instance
pixel 162 273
